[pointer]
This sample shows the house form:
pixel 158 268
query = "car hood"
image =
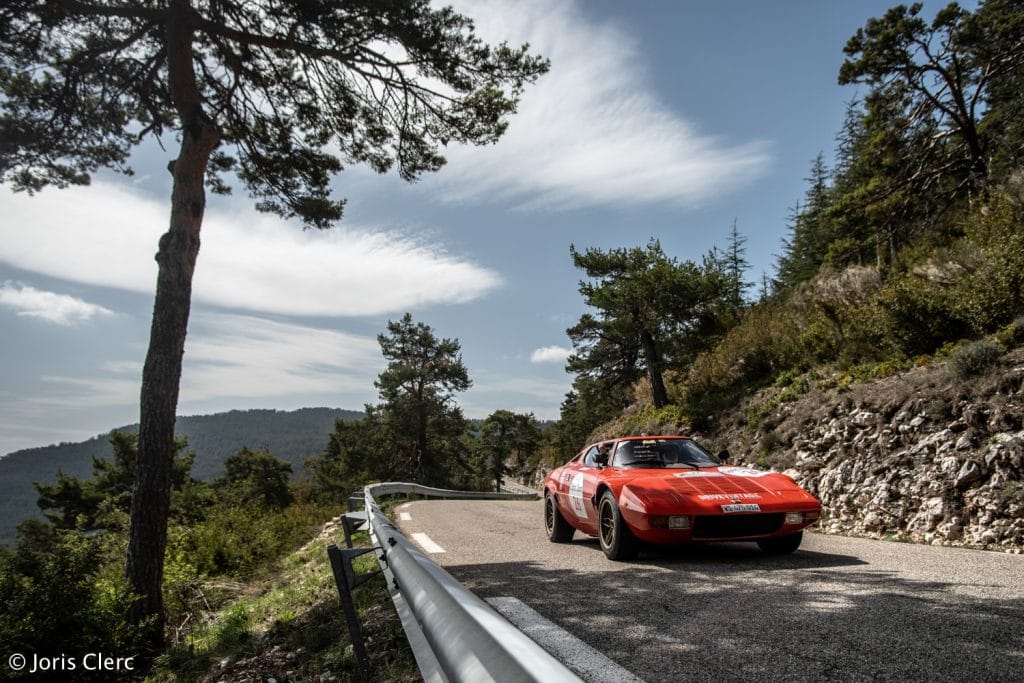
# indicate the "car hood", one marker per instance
pixel 712 483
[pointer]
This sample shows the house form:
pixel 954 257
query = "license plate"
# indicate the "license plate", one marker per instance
pixel 741 507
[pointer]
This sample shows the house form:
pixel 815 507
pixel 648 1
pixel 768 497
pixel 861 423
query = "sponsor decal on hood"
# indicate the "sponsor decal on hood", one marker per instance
pixel 743 472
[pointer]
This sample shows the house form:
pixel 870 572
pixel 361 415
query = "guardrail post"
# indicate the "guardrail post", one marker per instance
pixel 347 580
pixel 352 522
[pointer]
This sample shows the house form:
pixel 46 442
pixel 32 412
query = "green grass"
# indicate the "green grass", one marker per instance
pixel 288 624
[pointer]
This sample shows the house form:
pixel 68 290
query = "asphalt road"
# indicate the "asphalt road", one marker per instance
pixel 839 609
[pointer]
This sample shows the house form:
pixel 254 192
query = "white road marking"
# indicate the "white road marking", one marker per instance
pixel 427 544
pixel 404 516
pixel 588 663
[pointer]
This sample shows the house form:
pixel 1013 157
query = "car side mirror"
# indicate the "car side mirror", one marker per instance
pixel 601 460
pixel 724 456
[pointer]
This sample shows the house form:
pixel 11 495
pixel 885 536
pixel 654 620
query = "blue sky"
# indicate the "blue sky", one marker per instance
pixel 658 119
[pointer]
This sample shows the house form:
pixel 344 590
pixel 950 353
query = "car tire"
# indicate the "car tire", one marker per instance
pixel 617 541
pixel 559 530
pixel 783 545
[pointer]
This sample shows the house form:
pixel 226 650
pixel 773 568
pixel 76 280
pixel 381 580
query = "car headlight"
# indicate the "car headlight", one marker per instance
pixel 667 522
pixel 801 517
pixel 679 522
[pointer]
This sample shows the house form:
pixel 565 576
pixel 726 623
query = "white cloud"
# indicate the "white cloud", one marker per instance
pixel 229 356
pixel 590 132
pixel 107 235
pixel 21 426
pixel 541 396
pixel 236 357
pixel 61 309
pixel 550 354
pixel 100 391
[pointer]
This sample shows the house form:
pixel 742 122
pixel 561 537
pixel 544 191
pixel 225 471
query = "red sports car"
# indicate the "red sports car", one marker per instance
pixel 668 490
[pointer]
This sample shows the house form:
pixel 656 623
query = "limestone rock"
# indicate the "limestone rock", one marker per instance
pixel 920 456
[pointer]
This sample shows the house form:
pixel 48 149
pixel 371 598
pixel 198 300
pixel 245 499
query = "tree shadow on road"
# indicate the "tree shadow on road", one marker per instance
pixel 727 612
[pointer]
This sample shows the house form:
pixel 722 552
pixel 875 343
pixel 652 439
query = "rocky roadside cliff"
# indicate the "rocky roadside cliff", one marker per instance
pixel 925 455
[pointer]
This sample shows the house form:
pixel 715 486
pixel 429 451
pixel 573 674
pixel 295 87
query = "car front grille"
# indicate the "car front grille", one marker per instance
pixel 736 526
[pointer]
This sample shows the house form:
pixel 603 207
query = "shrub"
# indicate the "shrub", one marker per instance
pixel 55 590
pixel 234 539
pixel 921 315
pixel 670 419
pixel 820 341
pixel 765 343
pixel 1012 335
pixel 993 294
pixel 974 357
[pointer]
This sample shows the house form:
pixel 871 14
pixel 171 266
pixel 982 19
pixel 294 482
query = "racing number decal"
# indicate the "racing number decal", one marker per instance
pixel 576 496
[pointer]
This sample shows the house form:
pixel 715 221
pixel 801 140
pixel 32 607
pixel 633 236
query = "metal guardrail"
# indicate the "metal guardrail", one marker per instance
pixel 455 636
pixel 513 487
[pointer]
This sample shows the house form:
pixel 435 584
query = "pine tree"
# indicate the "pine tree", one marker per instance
pixel 278 93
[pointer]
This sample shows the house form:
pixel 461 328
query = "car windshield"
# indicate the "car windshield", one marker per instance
pixel 662 453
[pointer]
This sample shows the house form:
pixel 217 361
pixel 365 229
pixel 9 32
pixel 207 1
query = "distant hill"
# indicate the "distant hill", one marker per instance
pixel 290 435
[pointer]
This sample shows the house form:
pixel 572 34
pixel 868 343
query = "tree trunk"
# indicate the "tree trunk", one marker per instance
pixel 426 458
pixel 652 360
pixel 161 374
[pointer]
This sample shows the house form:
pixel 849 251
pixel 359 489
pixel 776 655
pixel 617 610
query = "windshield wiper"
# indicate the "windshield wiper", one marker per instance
pixel 645 462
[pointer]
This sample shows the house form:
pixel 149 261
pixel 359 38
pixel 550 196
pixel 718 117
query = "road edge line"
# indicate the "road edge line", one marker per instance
pixel 591 665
